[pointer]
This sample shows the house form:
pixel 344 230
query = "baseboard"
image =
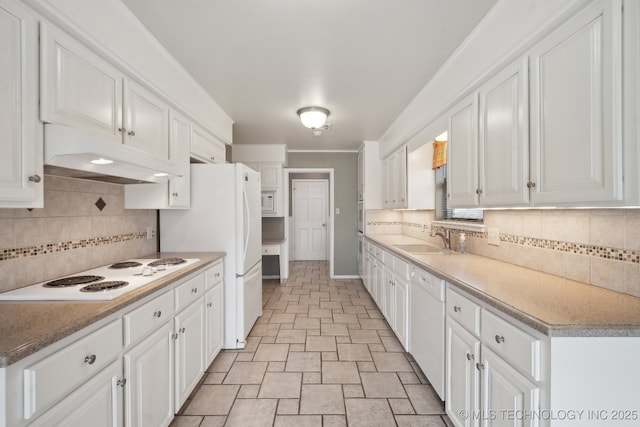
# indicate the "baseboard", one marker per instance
pixel 346 276
pixel 271 277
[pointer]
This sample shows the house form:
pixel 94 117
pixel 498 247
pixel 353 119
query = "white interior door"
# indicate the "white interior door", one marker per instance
pixel 311 216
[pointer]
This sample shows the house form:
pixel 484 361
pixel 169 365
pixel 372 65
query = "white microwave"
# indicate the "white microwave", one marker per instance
pixel 269 202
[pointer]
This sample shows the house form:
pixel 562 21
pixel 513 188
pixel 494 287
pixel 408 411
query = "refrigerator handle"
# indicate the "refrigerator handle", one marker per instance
pixel 247 219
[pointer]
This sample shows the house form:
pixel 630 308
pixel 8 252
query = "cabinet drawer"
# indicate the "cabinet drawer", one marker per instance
pixel 270 249
pixel 189 291
pixel 401 268
pixel 464 311
pixel 512 344
pixel 54 377
pixel 214 275
pixel 147 318
pixel 430 283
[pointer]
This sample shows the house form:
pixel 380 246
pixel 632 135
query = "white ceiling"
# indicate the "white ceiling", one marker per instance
pixel 261 60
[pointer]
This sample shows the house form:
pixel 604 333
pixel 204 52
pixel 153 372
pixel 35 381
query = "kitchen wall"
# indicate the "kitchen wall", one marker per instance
pixel 70 234
pixel 596 246
pixel 345 174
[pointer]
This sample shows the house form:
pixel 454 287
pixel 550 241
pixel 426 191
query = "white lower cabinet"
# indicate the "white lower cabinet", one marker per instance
pixel 388 304
pixel 189 350
pixel 401 311
pixel 505 392
pixel 213 316
pixel 98 403
pixel 462 379
pixel 486 387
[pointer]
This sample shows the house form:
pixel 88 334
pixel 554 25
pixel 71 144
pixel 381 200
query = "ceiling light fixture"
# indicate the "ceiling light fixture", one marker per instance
pixel 313 117
pixel 101 161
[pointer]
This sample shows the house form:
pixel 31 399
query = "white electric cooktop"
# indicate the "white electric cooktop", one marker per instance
pixel 100 284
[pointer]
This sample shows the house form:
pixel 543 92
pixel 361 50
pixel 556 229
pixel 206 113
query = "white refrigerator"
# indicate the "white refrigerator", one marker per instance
pixel 225 216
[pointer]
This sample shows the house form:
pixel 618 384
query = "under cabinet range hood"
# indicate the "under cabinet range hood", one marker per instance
pixel 82 154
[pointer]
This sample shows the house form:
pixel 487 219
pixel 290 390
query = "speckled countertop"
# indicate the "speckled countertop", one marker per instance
pixel 26 327
pixel 550 304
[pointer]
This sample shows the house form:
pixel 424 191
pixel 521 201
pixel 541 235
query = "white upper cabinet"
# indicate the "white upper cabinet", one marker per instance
pixel 462 156
pixel 205 147
pixel 395 179
pixel 576 98
pixel 504 137
pixel 21 147
pixel 78 88
pixel 81 90
pixel 146 121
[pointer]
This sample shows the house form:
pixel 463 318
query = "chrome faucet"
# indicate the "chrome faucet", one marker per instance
pixel 444 236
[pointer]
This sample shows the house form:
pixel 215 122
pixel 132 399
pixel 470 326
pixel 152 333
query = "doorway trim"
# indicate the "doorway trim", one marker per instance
pixel 287 190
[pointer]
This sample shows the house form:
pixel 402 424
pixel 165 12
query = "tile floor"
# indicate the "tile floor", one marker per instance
pixel 320 355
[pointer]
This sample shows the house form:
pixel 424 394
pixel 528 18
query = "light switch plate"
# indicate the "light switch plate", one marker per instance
pixel 494 236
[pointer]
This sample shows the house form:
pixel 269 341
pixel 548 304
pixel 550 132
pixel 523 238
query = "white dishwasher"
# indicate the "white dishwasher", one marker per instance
pixel 427 326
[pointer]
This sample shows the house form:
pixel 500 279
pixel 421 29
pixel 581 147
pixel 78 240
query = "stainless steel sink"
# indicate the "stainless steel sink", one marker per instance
pixel 423 249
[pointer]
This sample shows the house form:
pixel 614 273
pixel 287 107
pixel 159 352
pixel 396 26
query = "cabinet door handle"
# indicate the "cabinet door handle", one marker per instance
pixel 531 184
pixel 35 178
pixel 194 290
pixel 174 336
pixel 478 191
pixel 479 366
pixel 122 382
pixel 157 314
pixel 210 304
pixel 131 133
pixel 174 194
pixel 499 339
pixel 212 158
pixel 90 360
pixel 183 329
pixel 122 129
pixel 470 356
pixel 217 275
pixel 457 309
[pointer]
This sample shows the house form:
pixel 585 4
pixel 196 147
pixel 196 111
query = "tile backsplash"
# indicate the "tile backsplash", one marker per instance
pixel 71 233
pixel 596 246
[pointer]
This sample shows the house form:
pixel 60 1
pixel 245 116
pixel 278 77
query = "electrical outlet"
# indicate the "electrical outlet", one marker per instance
pixel 494 236
pixel 150 233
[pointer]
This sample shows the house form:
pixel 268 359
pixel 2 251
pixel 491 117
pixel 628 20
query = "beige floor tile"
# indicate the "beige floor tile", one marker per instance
pixel 272 353
pixel 352 390
pixel 334 329
pixel 408 378
pixel 288 406
pixel 267 340
pixel 303 361
pixel 375 314
pixel 265 329
pixel 248 391
pixel 222 362
pixel 345 318
pixel 282 318
pixel 297 308
pixel 214 421
pixel 419 421
pixel 369 413
pixel 246 373
pixel 354 352
pixel 275 367
pixel 321 343
pixel 298 420
pixel 424 399
pixel 364 336
pixel 322 399
pixel 343 340
pixel 401 406
pixel 330 356
pixel 382 384
pixel 281 385
pixel 306 323
pixel 366 367
pixel 334 421
pixel 186 421
pixel 391 362
pixel 376 347
pixel 292 336
pixel 212 400
pixel 320 312
pixel 245 357
pixel 330 304
pixel 214 378
pixel 373 324
pixel 296 347
pixel 252 412
pixel 340 373
pixel 311 377
pixel 355 309
pixel 392 344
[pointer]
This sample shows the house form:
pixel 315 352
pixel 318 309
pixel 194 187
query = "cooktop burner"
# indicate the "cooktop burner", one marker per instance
pixel 125 264
pixel 167 261
pixel 72 281
pixel 103 286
